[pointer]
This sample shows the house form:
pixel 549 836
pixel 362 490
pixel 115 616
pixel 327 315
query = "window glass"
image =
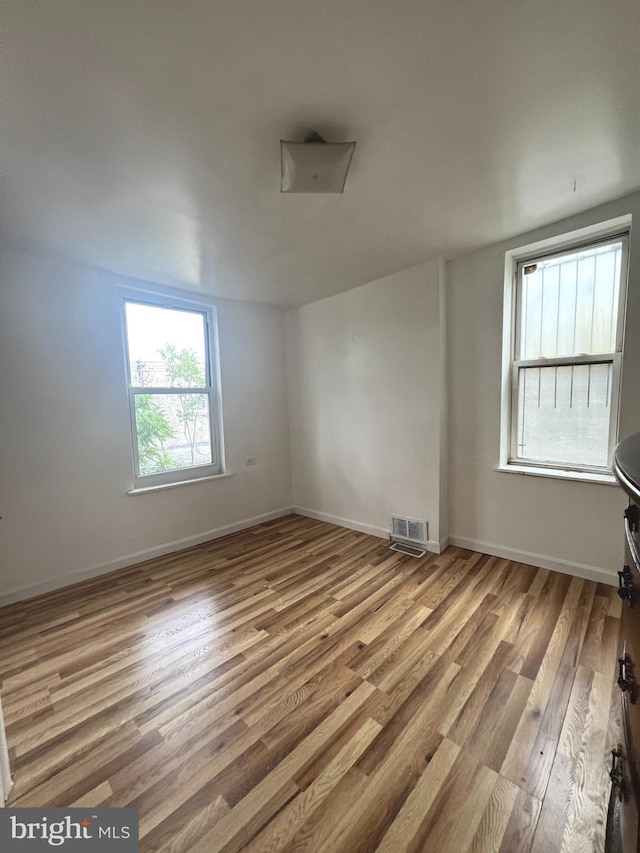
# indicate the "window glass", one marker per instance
pixel 167 347
pixel 569 303
pixel 563 414
pixel 172 431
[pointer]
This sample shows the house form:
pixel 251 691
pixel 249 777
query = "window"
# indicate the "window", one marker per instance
pixel 564 311
pixel 173 394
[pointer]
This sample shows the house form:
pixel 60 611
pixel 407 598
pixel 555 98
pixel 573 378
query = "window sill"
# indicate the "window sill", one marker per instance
pixel 560 474
pixel 143 490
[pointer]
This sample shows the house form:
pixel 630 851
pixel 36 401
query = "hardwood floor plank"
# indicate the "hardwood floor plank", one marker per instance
pixel 520 755
pixel 554 812
pixel 593 636
pixel 285 825
pixel 551 724
pixel 183 832
pixel 550 603
pixel 343 798
pixel 500 731
pixel 468 720
pixel 521 826
pixel 493 823
pixel 586 815
pixel 424 704
pixel 362 827
pixel 92 799
pixel 454 815
pixel 403 832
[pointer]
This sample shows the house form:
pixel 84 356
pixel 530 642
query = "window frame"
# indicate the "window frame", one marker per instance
pixel 515 260
pixel 179 476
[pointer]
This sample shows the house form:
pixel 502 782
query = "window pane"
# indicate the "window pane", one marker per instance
pixel 172 431
pixel 563 414
pixel 167 347
pixel 569 303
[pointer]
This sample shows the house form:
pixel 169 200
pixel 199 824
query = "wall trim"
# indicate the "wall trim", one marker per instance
pixel 542 561
pixel 442 545
pixel 6 782
pixel 360 526
pixel 22 593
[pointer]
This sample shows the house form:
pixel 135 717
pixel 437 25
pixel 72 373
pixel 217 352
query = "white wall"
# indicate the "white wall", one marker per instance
pixel 561 524
pixel 65 450
pixel 366 377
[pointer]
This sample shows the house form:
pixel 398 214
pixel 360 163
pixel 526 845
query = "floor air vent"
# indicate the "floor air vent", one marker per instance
pixel 411 550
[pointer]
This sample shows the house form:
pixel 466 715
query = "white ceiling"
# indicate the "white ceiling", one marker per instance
pixel 142 136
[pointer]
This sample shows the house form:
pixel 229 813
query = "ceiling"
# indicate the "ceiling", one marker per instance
pixel 143 137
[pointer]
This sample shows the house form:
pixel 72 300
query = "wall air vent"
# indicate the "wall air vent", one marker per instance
pixel 409 529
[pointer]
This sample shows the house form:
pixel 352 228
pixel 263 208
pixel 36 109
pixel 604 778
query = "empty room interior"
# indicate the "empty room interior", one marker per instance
pixel 320 426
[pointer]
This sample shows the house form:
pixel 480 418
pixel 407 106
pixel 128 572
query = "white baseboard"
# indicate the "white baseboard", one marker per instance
pixel 6 782
pixel 439 547
pixel 533 559
pixel 542 561
pixel 360 526
pixel 38 587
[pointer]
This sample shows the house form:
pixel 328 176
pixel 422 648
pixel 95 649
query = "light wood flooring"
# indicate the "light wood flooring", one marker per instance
pixel 300 687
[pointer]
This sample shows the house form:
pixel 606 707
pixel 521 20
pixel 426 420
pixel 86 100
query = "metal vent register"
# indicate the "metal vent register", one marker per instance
pixel 411 550
pixel 408 530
